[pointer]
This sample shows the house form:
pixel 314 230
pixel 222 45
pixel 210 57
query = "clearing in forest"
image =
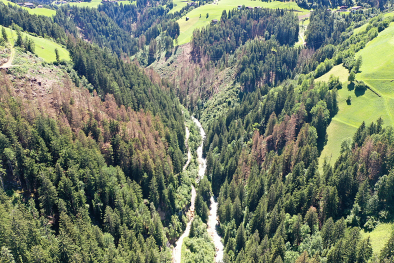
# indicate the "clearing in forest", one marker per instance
pixel 376 72
pixel 44 48
pixel 34 11
pixel 178 5
pixel 93 4
pixel 215 12
pixel 379 236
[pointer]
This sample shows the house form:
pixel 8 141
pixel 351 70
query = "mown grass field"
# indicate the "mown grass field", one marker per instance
pixel 376 71
pixel 127 2
pixel 178 5
pixel 42 12
pixel 93 3
pixel 379 236
pixel 378 63
pixel 35 11
pixel 215 12
pixel 44 48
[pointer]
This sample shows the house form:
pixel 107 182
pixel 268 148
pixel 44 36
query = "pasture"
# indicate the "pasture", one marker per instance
pixel 93 4
pixel 178 5
pixel 35 11
pixel 376 72
pixel 44 48
pixel 42 12
pixel 379 236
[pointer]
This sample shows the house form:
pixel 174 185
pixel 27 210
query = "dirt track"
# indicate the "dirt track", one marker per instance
pixel 8 64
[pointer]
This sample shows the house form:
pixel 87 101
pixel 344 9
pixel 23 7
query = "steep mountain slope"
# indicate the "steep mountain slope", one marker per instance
pixel 78 166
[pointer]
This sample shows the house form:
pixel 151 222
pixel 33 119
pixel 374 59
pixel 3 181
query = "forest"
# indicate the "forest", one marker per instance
pixel 100 154
pixel 239 26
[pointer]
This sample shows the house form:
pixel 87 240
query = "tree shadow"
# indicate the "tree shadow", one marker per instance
pixel 168 55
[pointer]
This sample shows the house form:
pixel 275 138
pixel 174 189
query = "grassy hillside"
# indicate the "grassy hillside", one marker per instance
pixel 376 71
pixel 127 2
pixel 42 11
pixel 368 107
pixel 379 236
pixel 35 11
pixel 93 3
pixel 178 5
pixel 378 62
pixel 215 12
pixel 45 48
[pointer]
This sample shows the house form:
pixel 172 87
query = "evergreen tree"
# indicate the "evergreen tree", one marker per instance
pixel 57 55
pixel 240 239
pixel 154 196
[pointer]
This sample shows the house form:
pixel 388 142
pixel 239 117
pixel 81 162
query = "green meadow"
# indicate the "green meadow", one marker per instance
pixel 378 63
pixel 35 11
pixel 215 12
pixel 93 4
pixel 44 48
pixel 127 2
pixel 178 5
pixel 376 72
pixel 379 236
pixel 42 11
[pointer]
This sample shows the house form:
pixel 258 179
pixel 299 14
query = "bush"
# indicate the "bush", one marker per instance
pixel 371 223
pixel 372 33
pixel 334 83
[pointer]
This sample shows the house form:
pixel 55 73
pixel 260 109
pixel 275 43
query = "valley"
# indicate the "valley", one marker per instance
pixel 211 131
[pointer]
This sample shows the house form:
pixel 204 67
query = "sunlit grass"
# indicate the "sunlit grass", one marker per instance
pixel 35 11
pixel 379 236
pixel 376 72
pixel 44 48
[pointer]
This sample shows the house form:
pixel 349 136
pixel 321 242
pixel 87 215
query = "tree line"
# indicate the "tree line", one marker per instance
pixel 239 26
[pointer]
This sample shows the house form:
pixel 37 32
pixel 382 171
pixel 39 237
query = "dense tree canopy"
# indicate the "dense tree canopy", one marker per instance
pixel 91 171
pixel 239 26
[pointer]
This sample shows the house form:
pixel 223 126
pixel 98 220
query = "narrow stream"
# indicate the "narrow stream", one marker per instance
pixel 189 153
pixel 212 219
pixel 202 164
pixel 177 251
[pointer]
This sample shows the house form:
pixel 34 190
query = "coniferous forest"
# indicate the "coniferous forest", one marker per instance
pixel 123 139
